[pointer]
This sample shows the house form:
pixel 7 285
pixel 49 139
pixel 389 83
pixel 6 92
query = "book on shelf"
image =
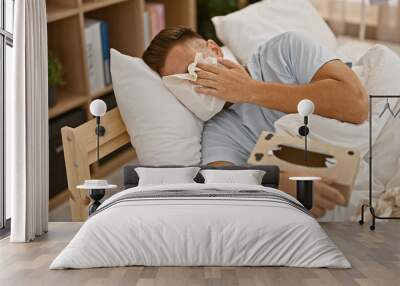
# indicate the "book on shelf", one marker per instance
pixel 146 27
pixel 156 18
pixel 97 54
pixel 106 52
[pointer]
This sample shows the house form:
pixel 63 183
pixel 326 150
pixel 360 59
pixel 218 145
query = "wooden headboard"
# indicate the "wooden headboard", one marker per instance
pixel 80 152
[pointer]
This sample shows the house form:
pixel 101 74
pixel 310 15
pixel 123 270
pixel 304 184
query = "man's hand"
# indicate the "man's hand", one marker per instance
pixel 326 193
pixel 326 197
pixel 228 81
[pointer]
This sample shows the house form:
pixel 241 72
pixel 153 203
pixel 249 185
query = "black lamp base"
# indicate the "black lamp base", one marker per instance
pixel 305 193
pixel 96 195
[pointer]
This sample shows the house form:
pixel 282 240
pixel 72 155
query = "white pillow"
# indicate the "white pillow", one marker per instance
pixel 166 176
pixel 229 55
pixel 162 130
pixel 352 49
pixel 247 177
pixel 244 30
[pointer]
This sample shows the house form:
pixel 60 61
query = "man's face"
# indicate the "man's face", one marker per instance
pixel 182 55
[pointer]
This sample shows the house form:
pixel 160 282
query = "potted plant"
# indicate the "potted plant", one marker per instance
pixel 55 77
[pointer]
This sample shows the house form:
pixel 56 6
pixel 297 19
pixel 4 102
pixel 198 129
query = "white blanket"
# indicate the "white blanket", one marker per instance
pixel 210 230
pixel 378 70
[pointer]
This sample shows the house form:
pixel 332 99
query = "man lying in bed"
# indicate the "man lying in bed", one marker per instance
pixel 283 71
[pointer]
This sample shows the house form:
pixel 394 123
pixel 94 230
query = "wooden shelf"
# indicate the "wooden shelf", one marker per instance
pixel 102 92
pixel 91 5
pixel 68 17
pixel 179 12
pixel 66 101
pixel 57 12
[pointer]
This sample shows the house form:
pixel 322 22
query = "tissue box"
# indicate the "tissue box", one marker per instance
pixel 334 163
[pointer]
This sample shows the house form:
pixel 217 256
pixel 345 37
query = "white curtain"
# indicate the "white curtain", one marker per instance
pixel 27 124
pixel 382 17
pixel 389 22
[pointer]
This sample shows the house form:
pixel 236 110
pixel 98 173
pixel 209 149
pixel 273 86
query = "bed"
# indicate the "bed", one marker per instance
pixel 181 131
pixel 198 224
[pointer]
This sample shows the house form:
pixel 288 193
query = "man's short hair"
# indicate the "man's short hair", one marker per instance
pixel 154 56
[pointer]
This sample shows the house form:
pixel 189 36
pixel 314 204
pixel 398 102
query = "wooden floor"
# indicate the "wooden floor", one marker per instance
pixel 375 257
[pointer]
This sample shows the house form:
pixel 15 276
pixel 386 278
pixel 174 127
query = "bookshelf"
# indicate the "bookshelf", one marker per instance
pixel 65 20
pixel 65 25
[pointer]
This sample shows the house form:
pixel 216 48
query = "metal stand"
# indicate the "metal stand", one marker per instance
pixel 304 190
pixel 100 131
pixel 96 195
pixel 305 193
pixel 369 205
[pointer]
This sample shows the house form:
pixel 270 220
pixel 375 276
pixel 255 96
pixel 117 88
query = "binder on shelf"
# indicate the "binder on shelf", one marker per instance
pixel 146 29
pixel 94 54
pixel 106 52
pixel 156 17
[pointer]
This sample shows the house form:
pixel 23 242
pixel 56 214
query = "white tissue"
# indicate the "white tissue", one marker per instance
pixel 203 106
pixel 199 58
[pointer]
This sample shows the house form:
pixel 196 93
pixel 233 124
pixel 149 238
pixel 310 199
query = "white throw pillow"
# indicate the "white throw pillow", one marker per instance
pixel 166 176
pixel 244 30
pixel 162 130
pixel 246 177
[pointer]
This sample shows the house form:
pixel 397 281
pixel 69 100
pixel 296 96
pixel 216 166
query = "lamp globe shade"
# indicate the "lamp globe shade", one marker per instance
pixel 98 107
pixel 305 107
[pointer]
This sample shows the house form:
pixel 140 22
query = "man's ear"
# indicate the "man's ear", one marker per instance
pixel 215 48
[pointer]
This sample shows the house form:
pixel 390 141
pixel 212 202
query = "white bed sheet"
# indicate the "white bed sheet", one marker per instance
pixel 207 231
